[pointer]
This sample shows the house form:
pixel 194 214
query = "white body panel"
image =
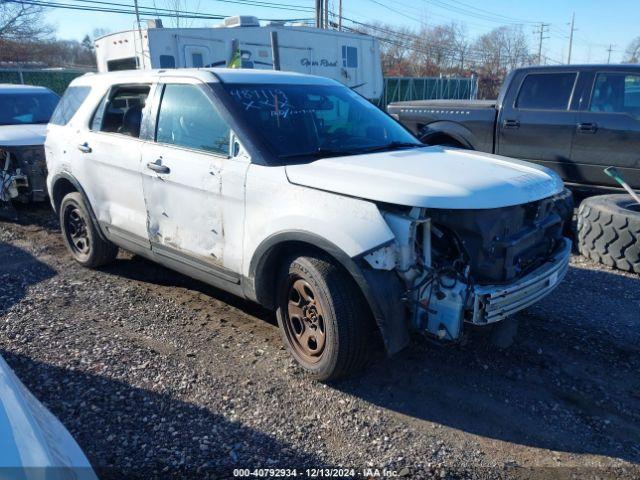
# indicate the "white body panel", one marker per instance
pixel 32 437
pixel 274 205
pixel 22 135
pixel 302 49
pixel 431 177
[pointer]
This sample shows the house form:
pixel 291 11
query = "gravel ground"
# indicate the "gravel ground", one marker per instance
pixel 159 376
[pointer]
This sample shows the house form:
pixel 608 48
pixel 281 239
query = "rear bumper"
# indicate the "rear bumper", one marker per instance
pixel 492 303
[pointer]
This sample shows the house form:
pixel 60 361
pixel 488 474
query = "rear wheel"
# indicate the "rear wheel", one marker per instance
pixel 323 318
pixel 82 239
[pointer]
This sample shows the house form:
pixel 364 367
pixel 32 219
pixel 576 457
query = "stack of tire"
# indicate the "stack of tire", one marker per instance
pixel 609 231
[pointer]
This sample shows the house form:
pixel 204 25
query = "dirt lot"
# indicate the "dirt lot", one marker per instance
pixel 152 371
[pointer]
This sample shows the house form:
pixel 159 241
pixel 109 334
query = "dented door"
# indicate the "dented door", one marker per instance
pixel 182 177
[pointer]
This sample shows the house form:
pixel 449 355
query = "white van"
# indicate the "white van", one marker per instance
pixel 350 58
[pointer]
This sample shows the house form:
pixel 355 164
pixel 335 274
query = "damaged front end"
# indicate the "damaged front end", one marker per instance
pixel 474 266
pixel 23 173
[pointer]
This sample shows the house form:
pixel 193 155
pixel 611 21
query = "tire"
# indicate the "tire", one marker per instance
pixel 609 231
pixel 323 318
pixel 84 242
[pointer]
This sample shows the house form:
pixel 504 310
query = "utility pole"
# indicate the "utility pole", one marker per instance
pixel 573 29
pixel 135 5
pixel 326 13
pixel 543 27
pixel 340 15
pixel 610 49
pixel 319 14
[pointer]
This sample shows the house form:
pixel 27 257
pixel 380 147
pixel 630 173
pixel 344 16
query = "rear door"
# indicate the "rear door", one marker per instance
pixel 608 131
pixel 538 121
pixel 110 151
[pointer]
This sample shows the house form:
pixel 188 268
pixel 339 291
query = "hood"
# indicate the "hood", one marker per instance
pixel 431 177
pixel 22 135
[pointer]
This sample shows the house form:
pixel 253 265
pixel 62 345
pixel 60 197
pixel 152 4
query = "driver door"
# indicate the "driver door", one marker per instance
pixel 183 175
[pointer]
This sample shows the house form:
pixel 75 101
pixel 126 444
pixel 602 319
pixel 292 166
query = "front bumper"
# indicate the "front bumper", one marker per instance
pixel 492 303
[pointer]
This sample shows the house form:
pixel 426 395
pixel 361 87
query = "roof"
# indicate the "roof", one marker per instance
pixel 224 75
pixel 17 88
pixel 593 66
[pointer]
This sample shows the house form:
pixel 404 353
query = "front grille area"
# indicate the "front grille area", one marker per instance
pixel 494 303
pixel 505 244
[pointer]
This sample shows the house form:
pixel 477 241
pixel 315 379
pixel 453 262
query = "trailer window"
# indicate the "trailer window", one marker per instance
pixel 122 64
pixel 197 61
pixel 188 119
pixel 546 91
pixel 349 57
pixel 120 111
pixel 167 61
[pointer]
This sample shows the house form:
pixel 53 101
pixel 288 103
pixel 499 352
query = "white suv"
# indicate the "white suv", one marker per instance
pixel 295 192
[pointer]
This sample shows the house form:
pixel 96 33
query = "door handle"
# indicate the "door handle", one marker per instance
pixel 84 148
pixel 587 127
pixel 511 124
pixel 158 167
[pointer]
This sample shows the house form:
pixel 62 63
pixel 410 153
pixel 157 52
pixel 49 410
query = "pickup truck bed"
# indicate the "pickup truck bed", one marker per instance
pixel 576 120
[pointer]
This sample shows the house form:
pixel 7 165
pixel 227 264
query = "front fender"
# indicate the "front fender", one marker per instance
pixel 458 132
pixel 382 290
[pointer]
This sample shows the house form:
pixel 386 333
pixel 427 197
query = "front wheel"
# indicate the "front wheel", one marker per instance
pixel 324 320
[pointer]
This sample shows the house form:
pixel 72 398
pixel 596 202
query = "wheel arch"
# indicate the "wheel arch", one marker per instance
pixel 439 133
pixel 375 285
pixel 65 183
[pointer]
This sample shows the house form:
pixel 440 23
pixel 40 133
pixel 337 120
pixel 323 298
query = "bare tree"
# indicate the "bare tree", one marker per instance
pixel 632 55
pixel 498 52
pixel 21 21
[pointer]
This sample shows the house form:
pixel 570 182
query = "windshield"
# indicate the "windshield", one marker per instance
pixel 317 120
pixel 26 108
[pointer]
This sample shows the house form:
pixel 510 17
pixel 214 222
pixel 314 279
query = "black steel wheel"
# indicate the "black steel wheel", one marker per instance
pixel 85 243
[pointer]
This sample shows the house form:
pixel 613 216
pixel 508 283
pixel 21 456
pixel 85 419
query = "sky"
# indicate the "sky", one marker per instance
pixel 599 23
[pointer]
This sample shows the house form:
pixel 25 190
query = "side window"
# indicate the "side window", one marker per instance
pixel 349 57
pixel 167 61
pixel 546 91
pixel 120 111
pixel 616 93
pixel 69 104
pixel 188 119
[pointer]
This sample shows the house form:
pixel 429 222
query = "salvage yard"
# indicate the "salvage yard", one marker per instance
pixel 150 370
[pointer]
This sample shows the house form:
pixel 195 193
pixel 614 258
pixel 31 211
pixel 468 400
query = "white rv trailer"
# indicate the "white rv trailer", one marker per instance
pixel 350 58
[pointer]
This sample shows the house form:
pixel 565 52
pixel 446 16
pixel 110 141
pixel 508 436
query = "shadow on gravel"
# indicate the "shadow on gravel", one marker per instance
pixel 19 270
pixel 142 270
pixel 129 432
pixel 570 383
pixel 36 215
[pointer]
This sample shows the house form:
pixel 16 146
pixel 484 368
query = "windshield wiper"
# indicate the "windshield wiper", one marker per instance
pixel 391 146
pixel 320 152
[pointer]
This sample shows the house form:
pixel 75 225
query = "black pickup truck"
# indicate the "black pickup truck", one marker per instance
pixel 575 120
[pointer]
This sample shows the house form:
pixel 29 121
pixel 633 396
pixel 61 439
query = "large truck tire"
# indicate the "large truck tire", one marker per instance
pixel 609 231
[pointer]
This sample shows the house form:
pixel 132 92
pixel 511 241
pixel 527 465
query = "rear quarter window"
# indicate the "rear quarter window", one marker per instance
pixel 69 104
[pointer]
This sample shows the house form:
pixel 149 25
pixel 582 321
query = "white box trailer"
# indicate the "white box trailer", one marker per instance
pixel 352 59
